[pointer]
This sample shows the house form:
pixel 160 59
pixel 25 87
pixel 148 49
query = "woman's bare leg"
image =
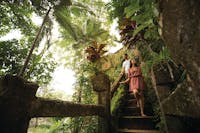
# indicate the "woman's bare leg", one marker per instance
pixel 141 103
pixel 135 92
pixel 138 105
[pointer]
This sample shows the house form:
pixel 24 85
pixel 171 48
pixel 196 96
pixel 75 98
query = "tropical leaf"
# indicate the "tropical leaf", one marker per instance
pixel 76 10
pixel 92 26
pixel 142 27
pixel 152 33
pixel 82 8
pixel 62 16
pixel 95 51
pixel 132 8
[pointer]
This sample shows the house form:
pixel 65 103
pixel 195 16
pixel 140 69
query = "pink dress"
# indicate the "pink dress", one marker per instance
pixel 136 79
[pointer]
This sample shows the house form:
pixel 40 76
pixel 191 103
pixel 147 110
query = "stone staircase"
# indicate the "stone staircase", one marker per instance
pixel 130 120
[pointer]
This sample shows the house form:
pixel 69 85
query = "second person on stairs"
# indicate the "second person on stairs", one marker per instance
pixel 125 65
pixel 136 84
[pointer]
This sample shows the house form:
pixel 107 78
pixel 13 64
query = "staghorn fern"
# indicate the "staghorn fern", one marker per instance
pixel 95 51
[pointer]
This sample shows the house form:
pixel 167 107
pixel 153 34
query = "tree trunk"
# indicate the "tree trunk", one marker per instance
pixel 21 73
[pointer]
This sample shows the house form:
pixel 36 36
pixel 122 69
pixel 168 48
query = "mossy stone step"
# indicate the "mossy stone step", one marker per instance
pixel 135 111
pixel 137 122
pixel 137 131
pixel 137 117
pixel 130 96
pixel 131 102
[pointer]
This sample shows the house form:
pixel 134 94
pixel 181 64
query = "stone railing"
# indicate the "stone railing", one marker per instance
pixel 115 85
pixel 19 104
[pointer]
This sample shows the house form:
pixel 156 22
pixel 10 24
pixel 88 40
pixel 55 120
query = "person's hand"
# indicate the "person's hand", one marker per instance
pixel 121 82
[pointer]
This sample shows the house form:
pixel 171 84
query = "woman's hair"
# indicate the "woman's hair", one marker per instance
pixel 136 64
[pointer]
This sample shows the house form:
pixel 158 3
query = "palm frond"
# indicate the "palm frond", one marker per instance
pixel 82 8
pixel 62 16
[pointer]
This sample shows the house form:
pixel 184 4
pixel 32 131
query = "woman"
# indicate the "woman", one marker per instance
pixel 136 84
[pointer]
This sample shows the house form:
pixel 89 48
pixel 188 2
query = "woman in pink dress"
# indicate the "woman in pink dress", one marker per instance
pixel 136 84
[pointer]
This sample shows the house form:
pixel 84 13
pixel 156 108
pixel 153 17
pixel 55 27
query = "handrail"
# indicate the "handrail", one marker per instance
pixel 115 85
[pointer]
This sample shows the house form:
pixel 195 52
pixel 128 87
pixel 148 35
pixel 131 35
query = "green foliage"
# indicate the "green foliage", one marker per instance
pixel 12 54
pixel 144 12
pixel 84 94
pixel 79 27
pixel 41 68
pixel 17 16
pixel 10 57
pixel 81 24
pixel 144 36
pixel 83 125
pixel 152 99
pixel 132 8
pixel 38 130
pixel 155 58
pixel 14 16
pixel 63 17
pixel 117 7
pixel 117 100
pixel 86 27
pixel 142 27
pixel 152 59
pixel 57 126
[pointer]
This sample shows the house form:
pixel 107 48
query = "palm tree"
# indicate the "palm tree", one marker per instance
pixel 62 12
pixel 21 73
pixel 53 5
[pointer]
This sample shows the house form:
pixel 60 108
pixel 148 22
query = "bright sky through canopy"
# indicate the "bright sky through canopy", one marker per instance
pixel 63 78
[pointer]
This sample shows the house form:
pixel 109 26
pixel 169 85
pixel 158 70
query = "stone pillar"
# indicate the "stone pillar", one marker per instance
pixel 101 84
pixel 16 97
